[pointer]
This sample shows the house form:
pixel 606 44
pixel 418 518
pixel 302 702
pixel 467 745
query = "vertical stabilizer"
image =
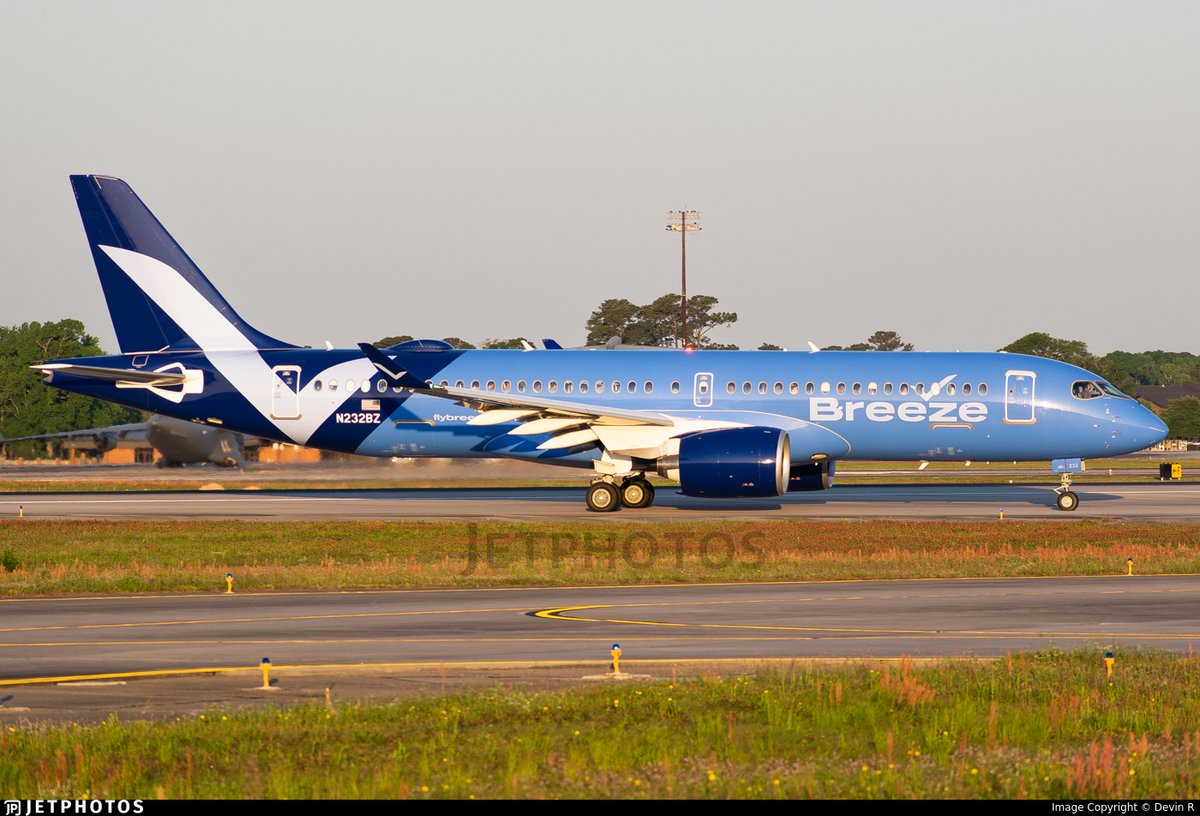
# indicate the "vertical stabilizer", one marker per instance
pixel 157 297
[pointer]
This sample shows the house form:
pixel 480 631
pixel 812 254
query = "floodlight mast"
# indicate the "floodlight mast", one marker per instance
pixel 683 222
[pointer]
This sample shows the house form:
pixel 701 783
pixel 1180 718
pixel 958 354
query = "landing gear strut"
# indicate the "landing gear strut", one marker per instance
pixel 1066 500
pixel 605 496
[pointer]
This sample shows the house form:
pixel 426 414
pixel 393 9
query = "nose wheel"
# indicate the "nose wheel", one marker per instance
pixel 1066 500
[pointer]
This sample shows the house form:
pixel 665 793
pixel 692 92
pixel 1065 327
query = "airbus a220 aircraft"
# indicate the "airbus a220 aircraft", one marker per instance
pixel 724 424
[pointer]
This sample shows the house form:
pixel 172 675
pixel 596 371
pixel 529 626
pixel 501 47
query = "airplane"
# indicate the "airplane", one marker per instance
pixel 177 441
pixel 723 424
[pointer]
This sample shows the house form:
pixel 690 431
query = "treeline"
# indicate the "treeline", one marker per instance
pixel 29 408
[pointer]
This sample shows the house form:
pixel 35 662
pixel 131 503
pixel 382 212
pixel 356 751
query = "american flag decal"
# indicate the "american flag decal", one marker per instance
pixel 370 405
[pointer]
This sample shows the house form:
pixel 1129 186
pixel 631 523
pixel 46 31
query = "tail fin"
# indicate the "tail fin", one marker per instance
pixel 157 297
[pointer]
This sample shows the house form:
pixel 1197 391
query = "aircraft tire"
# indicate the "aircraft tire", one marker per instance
pixel 1067 501
pixel 637 493
pixel 603 497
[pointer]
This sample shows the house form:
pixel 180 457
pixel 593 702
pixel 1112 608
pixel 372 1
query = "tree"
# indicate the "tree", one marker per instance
pixel 458 342
pixel 887 341
pixel 770 347
pixel 386 342
pixel 1074 352
pixel 1183 418
pixel 511 343
pixel 879 341
pixel 657 323
pixel 30 408
pixel 1040 344
pixel 611 318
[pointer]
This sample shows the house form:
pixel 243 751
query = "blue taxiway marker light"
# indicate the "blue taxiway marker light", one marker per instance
pixel 1109 660
pixel 1129 565
pixel 266 670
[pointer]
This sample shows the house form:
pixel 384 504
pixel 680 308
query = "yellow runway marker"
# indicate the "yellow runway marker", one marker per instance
pixel 560 614
pixel 264 619
pixel 490 664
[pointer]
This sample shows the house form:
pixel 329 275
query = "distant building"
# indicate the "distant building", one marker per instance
pixel 1161 395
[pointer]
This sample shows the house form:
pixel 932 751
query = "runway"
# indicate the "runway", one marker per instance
pixel 58 638
pixel 1147 502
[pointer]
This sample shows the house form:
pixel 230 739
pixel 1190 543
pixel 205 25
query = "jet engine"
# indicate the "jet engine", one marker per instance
pixel 729 462
pixel 811 476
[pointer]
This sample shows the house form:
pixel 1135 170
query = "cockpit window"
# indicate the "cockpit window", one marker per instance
pixel 1085 390
pixel 1112 392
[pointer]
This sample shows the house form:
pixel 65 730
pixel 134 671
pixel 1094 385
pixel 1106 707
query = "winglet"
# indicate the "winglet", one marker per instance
pixel 813 348
pixel 388 367
pixel 551 344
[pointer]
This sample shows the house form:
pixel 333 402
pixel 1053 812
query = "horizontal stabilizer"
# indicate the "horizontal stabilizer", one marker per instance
pixel 118 375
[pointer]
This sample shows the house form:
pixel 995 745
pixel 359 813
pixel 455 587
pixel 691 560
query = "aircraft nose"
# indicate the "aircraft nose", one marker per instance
pixel 1147 424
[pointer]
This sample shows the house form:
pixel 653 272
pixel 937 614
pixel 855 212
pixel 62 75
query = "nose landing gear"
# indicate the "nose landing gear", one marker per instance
pixel 1066 500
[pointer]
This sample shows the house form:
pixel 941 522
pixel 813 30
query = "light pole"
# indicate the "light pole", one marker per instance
pixel 683 222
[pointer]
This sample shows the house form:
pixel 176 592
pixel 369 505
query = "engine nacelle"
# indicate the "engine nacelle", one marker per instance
pixel 811 476
pixel 729 463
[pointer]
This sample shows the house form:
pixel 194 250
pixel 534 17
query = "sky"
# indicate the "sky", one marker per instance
pixel 962 173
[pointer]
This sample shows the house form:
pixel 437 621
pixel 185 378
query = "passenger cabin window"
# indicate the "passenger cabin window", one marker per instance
pixel 366 386
pixel 731 387
pixel 674 386
pixel 778 388
pixel 950 388
pixel 809 388
pixel 568 386
pixel 824 388
pixel 537 386
pixel 903 389
pixel 794 388
pixel 583 386
pixel 648 387
pixel 841 388
pixel 616 386
pixel 506 386
pixel 475 384
pixel 316 385
pixel 746 388
pixel 887 389
pixel 631 386
pixel 520 386
pixel 552 386
pixel 966 389
pixel 351 385
pixel 381 386
pixel 458 383
pixel 919 388
pixel 856 388
pixel 599 386
pixel 491 385
pixel 983 389
pixel 872 388
pixel 762 387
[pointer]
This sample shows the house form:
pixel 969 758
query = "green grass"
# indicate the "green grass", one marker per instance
pixel 140 556
pixel 1047 726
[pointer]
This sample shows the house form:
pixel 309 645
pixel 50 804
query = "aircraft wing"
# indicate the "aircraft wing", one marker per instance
pixel 620 432
pixel 118 375
pixel 131 431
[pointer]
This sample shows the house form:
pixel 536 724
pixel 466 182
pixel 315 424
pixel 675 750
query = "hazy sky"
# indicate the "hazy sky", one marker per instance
pixel 960 172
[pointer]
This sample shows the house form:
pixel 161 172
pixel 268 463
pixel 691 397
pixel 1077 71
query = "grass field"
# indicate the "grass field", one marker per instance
pixel 38 556
pixel 1048 726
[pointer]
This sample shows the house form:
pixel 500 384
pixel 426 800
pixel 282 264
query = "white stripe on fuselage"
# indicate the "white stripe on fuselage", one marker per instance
pixel 231 354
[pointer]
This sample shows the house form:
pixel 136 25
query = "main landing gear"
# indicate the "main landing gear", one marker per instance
pixel 605 495
pixel 1066 500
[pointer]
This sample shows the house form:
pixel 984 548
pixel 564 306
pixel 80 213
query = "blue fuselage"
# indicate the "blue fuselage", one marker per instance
pixel 873 405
